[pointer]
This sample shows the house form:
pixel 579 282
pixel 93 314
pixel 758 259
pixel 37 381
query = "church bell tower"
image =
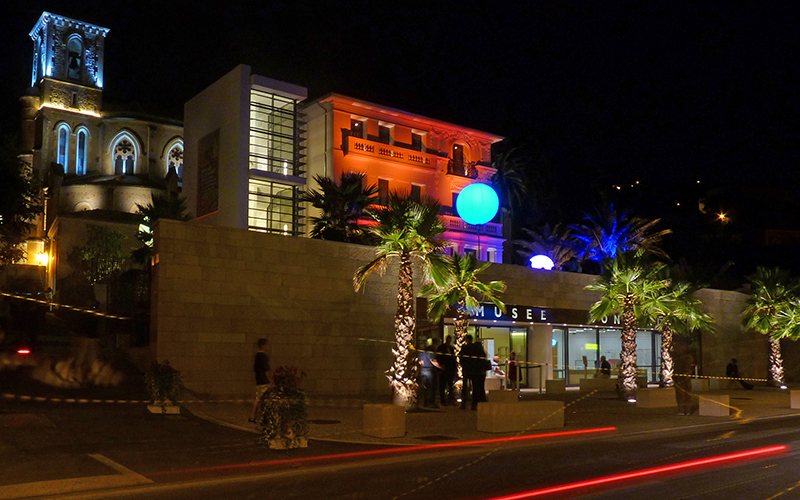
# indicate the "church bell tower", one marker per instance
pixel 68 63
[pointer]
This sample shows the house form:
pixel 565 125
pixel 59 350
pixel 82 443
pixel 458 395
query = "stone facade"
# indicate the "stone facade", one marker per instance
pixel 217 290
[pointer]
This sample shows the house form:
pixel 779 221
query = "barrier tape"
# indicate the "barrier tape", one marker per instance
pixel 64 306
pixel 720 378
pixel 738 411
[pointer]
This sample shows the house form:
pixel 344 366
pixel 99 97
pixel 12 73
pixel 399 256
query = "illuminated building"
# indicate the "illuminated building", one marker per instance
pixel 95 164
pixel 407 153
pixel 244 154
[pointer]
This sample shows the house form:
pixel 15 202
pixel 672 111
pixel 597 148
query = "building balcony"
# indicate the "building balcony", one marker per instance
pixel 388 151
pixel 462 169
pixel 455 223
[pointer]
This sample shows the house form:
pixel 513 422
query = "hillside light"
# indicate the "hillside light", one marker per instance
pixel 477 203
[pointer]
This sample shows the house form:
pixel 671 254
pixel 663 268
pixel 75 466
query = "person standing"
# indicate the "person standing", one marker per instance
pixel 481 365
pixel 445 356
pixel 429 365
pixel 512 370
pixel 263 375
pixel 466 362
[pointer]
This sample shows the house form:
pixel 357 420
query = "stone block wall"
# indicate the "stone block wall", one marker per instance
pixel 217 290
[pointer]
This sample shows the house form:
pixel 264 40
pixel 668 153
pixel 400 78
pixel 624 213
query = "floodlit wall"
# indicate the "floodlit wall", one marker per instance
pixel 217 290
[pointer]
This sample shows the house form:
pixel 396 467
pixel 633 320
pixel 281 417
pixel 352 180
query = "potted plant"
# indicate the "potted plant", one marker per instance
pixel 164 385
pixel 283 411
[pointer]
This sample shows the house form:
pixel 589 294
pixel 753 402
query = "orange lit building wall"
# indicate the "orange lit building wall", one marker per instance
pixel 390 156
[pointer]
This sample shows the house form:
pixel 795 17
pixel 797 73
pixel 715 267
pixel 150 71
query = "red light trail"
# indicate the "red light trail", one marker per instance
pixel 386 451
pixel 756 453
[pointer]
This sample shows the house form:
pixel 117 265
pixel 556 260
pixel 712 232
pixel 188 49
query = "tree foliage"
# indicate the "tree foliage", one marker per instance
pixel 608 232
pixel 556 242
pixel 341 207
pixel 102 256
pixel 160 207
pixel 772 293
pixel 627 282
pixel 20 202
pixel 405 230
pixel 458 285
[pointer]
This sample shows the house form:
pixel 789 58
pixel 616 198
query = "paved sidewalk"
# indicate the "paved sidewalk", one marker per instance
pixel 333 422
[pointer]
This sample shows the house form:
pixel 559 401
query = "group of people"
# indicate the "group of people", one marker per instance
pixel 439 367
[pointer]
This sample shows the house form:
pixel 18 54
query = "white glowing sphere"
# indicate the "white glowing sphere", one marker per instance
pixel 542 262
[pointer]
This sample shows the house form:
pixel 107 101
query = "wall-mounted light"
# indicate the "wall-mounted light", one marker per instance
pixel 42 259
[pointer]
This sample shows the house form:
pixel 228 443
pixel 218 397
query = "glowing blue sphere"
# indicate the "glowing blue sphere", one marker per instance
pixel 477 203
pixel 542 262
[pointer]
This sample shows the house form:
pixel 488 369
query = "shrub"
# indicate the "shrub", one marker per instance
pixel 283 410
pixel 163 383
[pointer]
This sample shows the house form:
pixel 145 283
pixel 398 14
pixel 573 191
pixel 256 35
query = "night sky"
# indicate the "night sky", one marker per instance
pixel 667 93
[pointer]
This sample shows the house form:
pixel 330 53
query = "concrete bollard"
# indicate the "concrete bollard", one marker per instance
pixel 555 386
pixel 384 421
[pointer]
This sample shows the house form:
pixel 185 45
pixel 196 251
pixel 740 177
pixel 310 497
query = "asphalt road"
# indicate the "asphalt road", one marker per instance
pixel 184 457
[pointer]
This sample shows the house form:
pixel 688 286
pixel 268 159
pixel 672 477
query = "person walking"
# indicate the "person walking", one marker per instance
pixel 732 371
pixel 263 375
pixel 445 356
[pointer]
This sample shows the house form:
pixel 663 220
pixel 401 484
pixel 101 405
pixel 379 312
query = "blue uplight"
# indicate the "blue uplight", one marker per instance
pixel 477 203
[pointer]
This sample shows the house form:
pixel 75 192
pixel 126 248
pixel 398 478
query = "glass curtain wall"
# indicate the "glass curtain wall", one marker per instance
pixel 275 134
pixel 273 207
pixel 500 341
pixel 276 145
pixel 571 344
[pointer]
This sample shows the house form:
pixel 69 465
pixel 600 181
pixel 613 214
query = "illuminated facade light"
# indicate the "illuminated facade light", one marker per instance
pixel 542 262
pixel 477 203
pixel 42 259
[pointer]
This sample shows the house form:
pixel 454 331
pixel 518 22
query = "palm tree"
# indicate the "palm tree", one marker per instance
pixel 788 321
pixel 510 181
pixel 554 242
pixel 342 205
pixel 626 283
pixel 405 230
pixel 608 232
pixel 160 207
pixel 675 310
pixel 458 285
pixel 771 291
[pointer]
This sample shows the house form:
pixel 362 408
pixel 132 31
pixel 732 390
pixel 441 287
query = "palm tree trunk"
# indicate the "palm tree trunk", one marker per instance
pixel 403 373
pixel 776 362
pixel 461 325
pixel 667 364
pixel 629 368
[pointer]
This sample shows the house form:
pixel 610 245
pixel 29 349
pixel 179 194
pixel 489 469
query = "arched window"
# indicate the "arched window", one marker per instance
pixel 74 57
pixel 124 157
pixel 175 160
pixel 80 154
pixel 63 145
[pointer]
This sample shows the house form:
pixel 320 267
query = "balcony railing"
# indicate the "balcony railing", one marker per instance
pixel 382 150
pixel 463 169
pixel 458 224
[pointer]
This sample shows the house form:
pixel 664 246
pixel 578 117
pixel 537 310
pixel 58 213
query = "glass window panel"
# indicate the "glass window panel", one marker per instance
pixel 559 370
pixel 582 342
pixel 644 352
pixel 611 347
